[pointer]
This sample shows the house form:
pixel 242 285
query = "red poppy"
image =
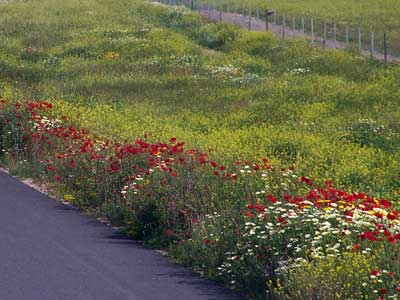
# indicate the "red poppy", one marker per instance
pixel 249 214
pixel 213 164
pixel 374 272
pixel 272 198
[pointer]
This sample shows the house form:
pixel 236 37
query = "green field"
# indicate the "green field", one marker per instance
pixel 128 68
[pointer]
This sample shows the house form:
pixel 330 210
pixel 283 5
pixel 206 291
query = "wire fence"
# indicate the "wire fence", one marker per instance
pixel 377 44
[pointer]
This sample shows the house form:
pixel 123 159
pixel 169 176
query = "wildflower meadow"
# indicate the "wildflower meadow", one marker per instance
pixel 269 165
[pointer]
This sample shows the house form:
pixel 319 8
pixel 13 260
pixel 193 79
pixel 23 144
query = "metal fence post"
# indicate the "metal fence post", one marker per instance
pixel 359 39
pixel 244 17
pixel 274 17
pixel 257 13
pixel 220 11
pixel 302 25
pixel 266 20
pixel 334 35
pixel 283 26
pixel 385 47
pixel 294 24
pixel 347 36
pixel 325 36
pixel 372 43
pixel 312 30
pixel 250 15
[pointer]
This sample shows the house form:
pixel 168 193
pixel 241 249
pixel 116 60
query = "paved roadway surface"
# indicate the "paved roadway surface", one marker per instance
pixel 49 251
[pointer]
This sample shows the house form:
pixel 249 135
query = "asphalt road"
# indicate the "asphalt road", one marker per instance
pixel 49 251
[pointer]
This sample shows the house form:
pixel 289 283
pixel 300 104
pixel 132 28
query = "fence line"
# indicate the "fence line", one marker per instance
pixel 323 34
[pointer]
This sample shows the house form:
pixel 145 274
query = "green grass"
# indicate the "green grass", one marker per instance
pixel 126 68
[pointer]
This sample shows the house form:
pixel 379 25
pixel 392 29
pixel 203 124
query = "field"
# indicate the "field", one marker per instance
pixel 370 16
pixel 381 14
pixel 129 69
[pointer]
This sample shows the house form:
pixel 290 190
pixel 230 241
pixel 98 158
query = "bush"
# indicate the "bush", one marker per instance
pixel 216 36
pixel 345 277
pixel 369 133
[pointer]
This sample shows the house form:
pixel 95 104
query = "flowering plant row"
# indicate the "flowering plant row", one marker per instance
pixel 264 230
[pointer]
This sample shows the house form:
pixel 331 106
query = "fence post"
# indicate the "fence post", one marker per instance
pixel 334 35
pixel 257 13
pixel 347 36
pixel 294 24
pixel 266 20
pixel 359 39
pixel 275 17
pixel 302 25
pixel 312 30
pixel 385 47
pixel 283 26
pixel 220 12
pixel 191 4
pixel 325 36
pixel 249 17
pixel 244 16
pixel 372 44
